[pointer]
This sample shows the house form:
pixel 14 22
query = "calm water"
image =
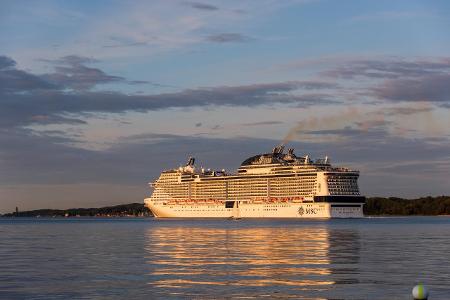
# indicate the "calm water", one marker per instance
pixel 374 258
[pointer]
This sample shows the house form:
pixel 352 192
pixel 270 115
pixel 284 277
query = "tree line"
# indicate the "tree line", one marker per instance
pixel 123 210
pixel 434 206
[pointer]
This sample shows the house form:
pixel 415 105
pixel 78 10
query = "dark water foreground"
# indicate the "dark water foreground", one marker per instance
pixel 374 258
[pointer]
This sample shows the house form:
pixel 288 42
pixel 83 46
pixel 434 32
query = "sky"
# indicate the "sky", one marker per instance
pixel 98 97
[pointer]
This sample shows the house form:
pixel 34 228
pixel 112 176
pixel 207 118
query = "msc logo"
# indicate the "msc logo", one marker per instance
pixel 311 211
pixel 308 211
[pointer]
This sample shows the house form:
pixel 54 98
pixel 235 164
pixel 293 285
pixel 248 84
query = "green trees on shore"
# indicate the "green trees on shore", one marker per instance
pixel 124 210
pixel 403 207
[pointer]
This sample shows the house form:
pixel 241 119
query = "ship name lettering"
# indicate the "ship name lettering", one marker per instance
pixel 311 211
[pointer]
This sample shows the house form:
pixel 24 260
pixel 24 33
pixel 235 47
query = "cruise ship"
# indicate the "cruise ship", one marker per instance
pixel 270 185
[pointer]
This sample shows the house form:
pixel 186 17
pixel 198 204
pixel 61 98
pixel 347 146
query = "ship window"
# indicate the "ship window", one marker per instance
pixel 229 204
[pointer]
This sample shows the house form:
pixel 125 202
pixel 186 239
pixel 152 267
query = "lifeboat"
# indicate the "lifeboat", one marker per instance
pixel 257 200
pixel 297 199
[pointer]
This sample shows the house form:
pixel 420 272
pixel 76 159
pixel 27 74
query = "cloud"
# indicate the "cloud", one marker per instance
pixel 228 38
pixel 14 80
pixel 55 119
pixel 73 60
pixel 26 154
pixel 434 88
pixel 134 44
pixel 71 72
pixel 201 6
pixel 389 68
pixel 354 134
pixel 119 42
pixel 263 123
pixel 148 137
pixel 385 78
pixel 21 108
pixel 27 98
pixel 147 28
pixel 6 62
pixel 408 110
pixel 397 79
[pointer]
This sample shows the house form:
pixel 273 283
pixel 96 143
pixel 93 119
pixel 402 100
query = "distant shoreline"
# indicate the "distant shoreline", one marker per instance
pixel 122 210
pixel 375 206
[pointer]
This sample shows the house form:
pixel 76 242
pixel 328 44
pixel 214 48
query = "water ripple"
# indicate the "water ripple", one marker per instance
pixel 216 259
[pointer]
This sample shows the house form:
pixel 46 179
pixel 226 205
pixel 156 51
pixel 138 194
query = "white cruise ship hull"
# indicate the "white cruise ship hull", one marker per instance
pixel 257 210
pixel 270 185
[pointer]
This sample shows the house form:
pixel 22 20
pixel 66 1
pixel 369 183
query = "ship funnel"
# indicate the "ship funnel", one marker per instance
pixel 278 149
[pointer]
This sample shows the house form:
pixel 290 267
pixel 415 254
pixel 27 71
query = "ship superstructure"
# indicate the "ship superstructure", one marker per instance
pixel 271 185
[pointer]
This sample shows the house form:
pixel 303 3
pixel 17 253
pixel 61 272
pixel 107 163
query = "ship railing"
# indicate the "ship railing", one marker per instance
pixel 293 199
pixel 195 201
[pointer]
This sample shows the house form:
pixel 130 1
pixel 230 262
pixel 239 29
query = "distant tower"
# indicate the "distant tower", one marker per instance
pixel 17 211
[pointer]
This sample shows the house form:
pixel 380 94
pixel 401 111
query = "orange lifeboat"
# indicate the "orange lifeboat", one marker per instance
pixel 257 200
pixel 297 199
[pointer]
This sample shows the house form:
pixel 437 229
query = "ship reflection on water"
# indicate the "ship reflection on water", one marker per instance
pixel 306 262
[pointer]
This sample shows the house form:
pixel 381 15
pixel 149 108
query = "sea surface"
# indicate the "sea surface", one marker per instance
pixel 145 258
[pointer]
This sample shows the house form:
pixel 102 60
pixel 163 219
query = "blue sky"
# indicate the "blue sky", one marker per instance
pixel 96 97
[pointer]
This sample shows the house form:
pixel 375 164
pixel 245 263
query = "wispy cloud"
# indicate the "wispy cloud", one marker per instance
pixel 434 88
pixel 118 42
pixel 389 68
pixel 72 72
pixel 263 123
pixel 408 110
pixel 201 6
pixel 228 38
pixel 396 78
pixel 143 29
